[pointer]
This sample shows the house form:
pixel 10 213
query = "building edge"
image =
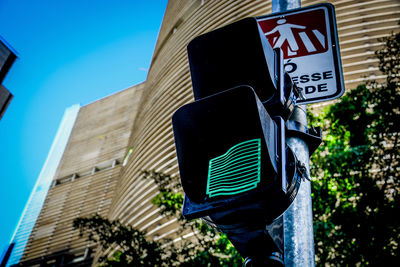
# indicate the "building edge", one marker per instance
pixel 42 185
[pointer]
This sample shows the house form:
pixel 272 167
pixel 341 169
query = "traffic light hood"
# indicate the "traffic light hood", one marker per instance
pixel 234 55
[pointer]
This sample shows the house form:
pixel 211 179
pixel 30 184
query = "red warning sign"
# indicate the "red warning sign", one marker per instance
pixel 308 40
pixel 298 34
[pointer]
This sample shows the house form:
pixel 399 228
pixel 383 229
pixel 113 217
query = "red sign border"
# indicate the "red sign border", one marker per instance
pixel 334 46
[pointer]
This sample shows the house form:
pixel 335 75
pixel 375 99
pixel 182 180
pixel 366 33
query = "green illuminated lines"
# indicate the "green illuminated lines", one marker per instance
pixel 236 171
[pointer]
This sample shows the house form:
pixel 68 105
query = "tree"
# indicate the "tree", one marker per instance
pixel 133 248
pixel 206 248
pixel 356 198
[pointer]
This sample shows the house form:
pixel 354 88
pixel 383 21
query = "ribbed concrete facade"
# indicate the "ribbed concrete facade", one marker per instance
pixel 125 195
pixel 360 23
pixel 168 86
pixel 86 179
pixel 45 180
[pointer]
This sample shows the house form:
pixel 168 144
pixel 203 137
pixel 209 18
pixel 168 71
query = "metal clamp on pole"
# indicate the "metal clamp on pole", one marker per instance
pixel 312 136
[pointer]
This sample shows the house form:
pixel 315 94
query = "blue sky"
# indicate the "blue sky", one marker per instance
pixel 69 52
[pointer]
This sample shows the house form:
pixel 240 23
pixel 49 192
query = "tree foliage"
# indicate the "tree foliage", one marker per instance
pixel 356 200
pixel 205 248
pixel 133 247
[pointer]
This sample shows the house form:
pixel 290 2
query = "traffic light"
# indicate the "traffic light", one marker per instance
pixel 237 172
pixel 232 153
pixel 239 54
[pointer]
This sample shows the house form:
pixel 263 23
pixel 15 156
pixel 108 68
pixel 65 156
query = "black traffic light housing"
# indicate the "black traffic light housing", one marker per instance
pixel 231 153
pixel 237 172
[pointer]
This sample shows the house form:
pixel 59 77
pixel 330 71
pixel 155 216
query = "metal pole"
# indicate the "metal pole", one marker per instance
pixel 283 5
pixel 297 220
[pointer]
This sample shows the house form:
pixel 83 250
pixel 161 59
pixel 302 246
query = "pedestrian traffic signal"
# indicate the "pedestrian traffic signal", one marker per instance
pixel 231 151
pixel 237 172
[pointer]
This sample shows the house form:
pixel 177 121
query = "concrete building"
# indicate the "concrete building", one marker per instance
pixel 7 58
pixel 90 177
pixel 43 183
pixel 80 183
pixel 168 86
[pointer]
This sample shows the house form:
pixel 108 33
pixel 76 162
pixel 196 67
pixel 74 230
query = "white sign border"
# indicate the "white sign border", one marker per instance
pixel 331 22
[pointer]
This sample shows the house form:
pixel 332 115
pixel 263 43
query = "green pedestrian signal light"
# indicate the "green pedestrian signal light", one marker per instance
pixel 236 171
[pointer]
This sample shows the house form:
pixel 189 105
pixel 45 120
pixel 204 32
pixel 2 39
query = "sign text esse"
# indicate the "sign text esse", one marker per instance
pixel 317 76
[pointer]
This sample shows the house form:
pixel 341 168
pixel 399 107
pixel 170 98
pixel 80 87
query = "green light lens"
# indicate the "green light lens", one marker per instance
pixel 236 171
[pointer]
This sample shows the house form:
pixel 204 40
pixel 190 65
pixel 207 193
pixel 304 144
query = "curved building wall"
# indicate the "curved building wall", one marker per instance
pixel 360 24
pixel 168 86
pixel 42 186
pixel 84 182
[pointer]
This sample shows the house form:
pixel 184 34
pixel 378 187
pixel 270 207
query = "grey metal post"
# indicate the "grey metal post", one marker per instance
pixel 283 5
pixel 297 220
